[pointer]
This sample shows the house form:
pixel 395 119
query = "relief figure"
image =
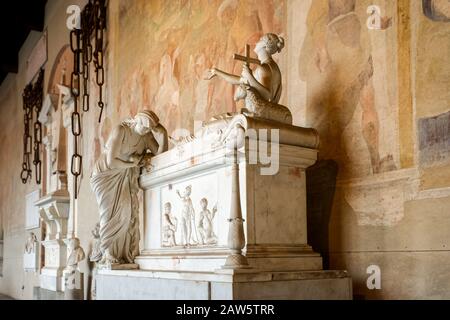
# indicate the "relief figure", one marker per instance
pixel 169 226
pixel 205 223
pixel 187 218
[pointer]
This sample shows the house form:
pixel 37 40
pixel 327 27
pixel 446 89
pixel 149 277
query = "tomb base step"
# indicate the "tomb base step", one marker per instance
pixel 222 285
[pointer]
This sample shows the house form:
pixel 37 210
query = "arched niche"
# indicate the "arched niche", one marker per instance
pixel 61 70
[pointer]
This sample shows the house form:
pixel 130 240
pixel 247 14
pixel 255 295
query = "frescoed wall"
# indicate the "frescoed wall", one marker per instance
pixel 378 96
pixel 173 48
pixel 351 95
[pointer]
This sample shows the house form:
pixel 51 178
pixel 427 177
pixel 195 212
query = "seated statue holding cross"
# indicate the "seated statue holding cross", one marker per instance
pixel 261 89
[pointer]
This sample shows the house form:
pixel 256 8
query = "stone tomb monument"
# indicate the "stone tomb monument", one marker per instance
pixel 222 219
pixel 54 205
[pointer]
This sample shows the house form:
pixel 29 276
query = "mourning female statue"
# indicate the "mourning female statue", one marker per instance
pixel 115 184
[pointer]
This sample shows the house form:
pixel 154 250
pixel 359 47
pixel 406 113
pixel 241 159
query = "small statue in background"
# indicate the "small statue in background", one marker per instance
pixel 76 254
pixel 95 257
pixel 73 278
pixel 96 253
pixel 30 245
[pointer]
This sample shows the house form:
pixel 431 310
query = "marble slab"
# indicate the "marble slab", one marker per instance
pixel 223 285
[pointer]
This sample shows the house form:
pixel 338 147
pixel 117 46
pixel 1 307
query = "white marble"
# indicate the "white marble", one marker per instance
pixel 162 285
pixel 32 212
pixel 114 180
pixel 270 203
pixel 51 278
pixel 223 217
pixel 73 285
pixel 55 205
pixel 31 253
pixel 54 211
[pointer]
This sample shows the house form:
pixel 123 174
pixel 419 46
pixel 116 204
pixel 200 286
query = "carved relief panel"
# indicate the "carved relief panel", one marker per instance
pixel 31 253
pixel 189 213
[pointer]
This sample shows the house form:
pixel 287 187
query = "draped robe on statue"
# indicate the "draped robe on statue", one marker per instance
pixel 116 191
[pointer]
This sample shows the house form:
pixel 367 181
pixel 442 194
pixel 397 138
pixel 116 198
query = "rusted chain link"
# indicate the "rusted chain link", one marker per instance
pixel 32 101
pixel 75 46
pixel 26 173
pixel 93 22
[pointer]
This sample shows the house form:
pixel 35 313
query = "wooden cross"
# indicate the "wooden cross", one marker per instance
pixel 247 60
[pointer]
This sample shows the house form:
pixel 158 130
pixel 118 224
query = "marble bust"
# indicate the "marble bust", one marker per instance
pixel 76 254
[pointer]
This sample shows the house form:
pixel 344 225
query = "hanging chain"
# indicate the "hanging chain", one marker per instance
pixel 100 24
pixel 32 100
pixel 86 30
pixel 93 21
pixel 76 161
pixel 25 175
pixel 38 98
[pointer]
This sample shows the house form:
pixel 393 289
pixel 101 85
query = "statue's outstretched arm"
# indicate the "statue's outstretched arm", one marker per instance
pixel 228 77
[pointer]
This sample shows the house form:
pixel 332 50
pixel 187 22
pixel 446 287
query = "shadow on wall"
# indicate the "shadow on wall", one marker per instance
pixel 1 252
pixel 321 186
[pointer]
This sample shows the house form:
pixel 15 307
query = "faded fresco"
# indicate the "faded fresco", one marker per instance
pixel 162 65
pixel 349 72
pixel 376 97
pixel 434 139
pixel 432 93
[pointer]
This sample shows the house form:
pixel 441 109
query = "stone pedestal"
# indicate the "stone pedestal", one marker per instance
pixel 54 211
pixel 73 285
pixel 189 206
pixel 165 285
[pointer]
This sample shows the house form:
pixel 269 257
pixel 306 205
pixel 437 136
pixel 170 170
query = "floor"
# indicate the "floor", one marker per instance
pixel 3 297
